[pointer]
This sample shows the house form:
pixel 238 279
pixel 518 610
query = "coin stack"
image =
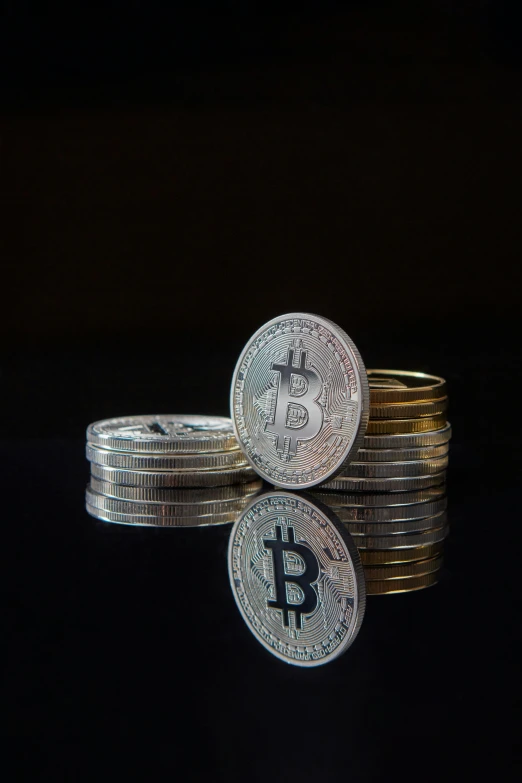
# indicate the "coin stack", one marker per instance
pixel 167 471
pixel 392 497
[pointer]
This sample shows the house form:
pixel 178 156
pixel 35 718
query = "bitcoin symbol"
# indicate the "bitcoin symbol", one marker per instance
pixel 293 583
pixel 295 421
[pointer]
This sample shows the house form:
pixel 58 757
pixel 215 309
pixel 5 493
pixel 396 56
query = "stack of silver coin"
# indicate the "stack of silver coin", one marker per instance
pixel 167 471
pixel 392 497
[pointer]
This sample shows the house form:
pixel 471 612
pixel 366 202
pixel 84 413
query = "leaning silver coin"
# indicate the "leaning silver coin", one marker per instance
pixel 164 433
pixel 297 578
pixel 299 400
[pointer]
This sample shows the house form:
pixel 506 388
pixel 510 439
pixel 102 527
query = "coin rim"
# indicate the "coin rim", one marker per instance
pixel 363 412
pixel 353 551
pixel 160 446
pixel 408 394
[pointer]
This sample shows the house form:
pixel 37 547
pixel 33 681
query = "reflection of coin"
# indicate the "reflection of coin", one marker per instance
pixel 402 455
pixel 408 411
pixel 297 578
pixel 387 586
pixel 146 521
pixel 382 499
pixel 299 400
pixel 403 386
pixel 400 527
pixel 199 498
pixel 412 440
pixel 399 426
pixel 177 462
pixel 376 514
pixel 403 570
pixel 403 541
pixel 167 509
pixel 385 556
pixel 386 484
pixel 422 467
pixel 164 433
pixel 167 478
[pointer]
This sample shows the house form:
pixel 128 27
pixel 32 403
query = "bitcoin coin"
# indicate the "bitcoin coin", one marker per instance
pixel 403 386
pixel 386 484
pixel 408 440
pixel 299 400
pixel 405 541
pixel 177 462
pixel 381 499
pixel 402 455
pixel 401 527
pixel 146 521
pixel 408 411
pixel 399 426
pixel 107 503
pixel 388 586
pixel 182 497
pixel 168 478
pixel 376 514
pixel 403 570
pixel 164 433
pixel 389 556
pixel 423 467
pixel 297 578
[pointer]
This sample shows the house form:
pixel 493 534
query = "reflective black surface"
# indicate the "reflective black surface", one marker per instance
pixel 115 629
pixel 158 205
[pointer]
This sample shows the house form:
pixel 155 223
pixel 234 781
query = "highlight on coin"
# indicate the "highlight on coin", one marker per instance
pixel 299 400
pixel 297 578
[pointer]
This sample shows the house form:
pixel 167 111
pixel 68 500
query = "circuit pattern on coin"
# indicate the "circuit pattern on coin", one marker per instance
pixel 297 579
pixel 299 400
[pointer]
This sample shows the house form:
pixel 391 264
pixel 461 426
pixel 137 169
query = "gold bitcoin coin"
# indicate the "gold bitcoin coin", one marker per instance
pixel 403 570
pixel 405 426
pixel 404 386
pixel 412 410
pixel 390 556
pixel 388 586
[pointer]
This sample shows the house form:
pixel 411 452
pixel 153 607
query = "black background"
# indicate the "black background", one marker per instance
pixel 172 176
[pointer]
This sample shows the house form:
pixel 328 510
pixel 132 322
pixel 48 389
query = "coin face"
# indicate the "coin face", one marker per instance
pixel 299 400
pixel 297 578
pixel 164 433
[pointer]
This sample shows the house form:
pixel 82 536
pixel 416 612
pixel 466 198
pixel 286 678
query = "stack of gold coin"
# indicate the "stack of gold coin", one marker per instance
pixel 167 471
pixel 392 497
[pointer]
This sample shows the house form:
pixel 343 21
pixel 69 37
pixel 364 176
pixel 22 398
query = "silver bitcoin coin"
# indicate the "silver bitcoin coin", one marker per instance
pixel 371 470
pixel 165 509
pixel 402 455
pixel 297 578
pixel 299 400
pixel 164 433
pixel 404 541
pixel 170 478
pixel 175 462
pixel 141 520
pixel 366 500
pixel 386 484
pixel 198 499
pixel 396 528
pixel 376 514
